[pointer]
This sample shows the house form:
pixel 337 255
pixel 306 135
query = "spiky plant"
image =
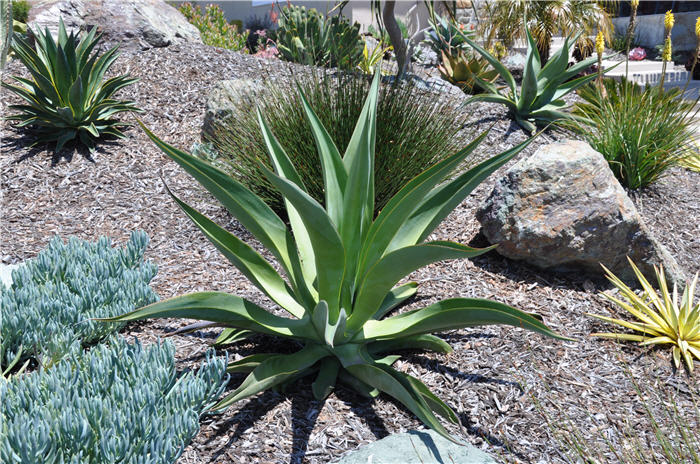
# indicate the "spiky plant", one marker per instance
pixel 467 72
pixel 342 268
pixel 66 98
pixel 540 98
pixel 661 319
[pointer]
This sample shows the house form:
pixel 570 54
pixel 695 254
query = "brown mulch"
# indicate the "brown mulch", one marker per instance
pixel 499 380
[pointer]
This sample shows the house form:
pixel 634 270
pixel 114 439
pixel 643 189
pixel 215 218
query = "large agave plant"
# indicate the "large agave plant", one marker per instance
pixel 543 87
pixel 342 269
pixel 66 98
pixel 467 72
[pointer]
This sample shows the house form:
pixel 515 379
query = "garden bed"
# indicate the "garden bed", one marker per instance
pixel 490 379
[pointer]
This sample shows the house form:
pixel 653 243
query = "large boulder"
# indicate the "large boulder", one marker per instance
pixel 141 23
pixel 562 208
pixel 416 447
pixel 224 100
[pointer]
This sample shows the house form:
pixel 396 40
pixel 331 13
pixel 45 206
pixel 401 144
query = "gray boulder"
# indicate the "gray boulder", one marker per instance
pixel 416 447
pixel 562 208
pixel 224 100
pixel 141 23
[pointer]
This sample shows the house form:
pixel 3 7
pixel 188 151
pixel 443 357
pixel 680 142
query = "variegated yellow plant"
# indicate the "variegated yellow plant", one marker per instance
pixel 661 319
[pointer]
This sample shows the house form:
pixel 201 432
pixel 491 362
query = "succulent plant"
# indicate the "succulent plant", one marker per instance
pixel 342 268
pixel 467 72
pixel 67 98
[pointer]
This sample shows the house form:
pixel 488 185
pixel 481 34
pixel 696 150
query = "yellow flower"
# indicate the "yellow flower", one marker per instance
pixel 634 3
pixel 666 56
pixel 599 43
pixel 697 28
pixel 668 21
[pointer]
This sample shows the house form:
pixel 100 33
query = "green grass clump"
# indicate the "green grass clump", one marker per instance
pixel 415 129
pixel 48 307
pixel 640 132
pixel 114 403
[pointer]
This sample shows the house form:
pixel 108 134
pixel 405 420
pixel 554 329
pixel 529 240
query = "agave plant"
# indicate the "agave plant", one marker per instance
pixel 661 319
pixel 543 87
pixel 467 72
pixel 66 98
pixel 370 59
pixel 342 269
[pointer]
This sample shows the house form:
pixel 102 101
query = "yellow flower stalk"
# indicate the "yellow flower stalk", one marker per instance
pixel 666 55
pixel 599 43
pixel 669 20
pixel 635 4
pixel 697 28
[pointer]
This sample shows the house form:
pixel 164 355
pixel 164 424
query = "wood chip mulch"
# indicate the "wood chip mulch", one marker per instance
pixel 500 380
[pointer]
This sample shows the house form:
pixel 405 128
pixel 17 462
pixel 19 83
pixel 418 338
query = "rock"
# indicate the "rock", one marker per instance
pixel 563 209
pixel 6 274
pixel 142 23
pixel 223 100
pixel 414 447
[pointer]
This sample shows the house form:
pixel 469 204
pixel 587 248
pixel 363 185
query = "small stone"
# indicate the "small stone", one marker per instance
pixel 416 447
pixel 224 101
pixel 563 209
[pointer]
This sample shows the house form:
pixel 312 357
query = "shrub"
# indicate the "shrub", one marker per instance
pixel 342 268
pixel 543 87
pixel 467 72
pixel 116 403
pixel 414 130
pixel 213 27
pixel 53 296
pixel 640 132
pixel 371 59
pixel 306 37
pixel 661 319
pixel 20 10
pixel 255 24
pixel 66 98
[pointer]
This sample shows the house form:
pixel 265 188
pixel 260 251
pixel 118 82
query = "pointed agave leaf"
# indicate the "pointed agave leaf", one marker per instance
pixel 249 363
pixel 414 342
pixel 436 404
pixel 230 335
pixel 442 200
pixel 326 379
pixel 231 310
pixel 455 313
pixel 285 169
pixel 274 371
pixel 335 176
pixel 528 90
pixel 395 297
pixel 395 266
pixel 358 201
pixel 387 380
pixel 329 253
pixel 497 65
pixel 403 204
pixel 247 260
pixel 247 208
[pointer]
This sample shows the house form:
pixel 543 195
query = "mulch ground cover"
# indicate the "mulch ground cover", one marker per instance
pixel 500 380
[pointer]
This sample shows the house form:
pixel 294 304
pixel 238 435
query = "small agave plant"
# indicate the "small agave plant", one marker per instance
pixel 342 269
pixel 67 98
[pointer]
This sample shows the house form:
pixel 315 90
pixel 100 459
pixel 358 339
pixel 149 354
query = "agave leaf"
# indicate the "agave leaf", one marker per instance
pixel 414 342
pixel 438 204
pixel 400 207
pixel 247 260
pixel 528 90
pixel 326 379
pixel 395 297
pixel 274 371
pixel 230 335
pixel 497 65
pixel 395 266
pixel 436 404
pixel 454 313
pixel 253 213
pixel 329 253
pixel 248 364
pixel 231 310
pixel 335 175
